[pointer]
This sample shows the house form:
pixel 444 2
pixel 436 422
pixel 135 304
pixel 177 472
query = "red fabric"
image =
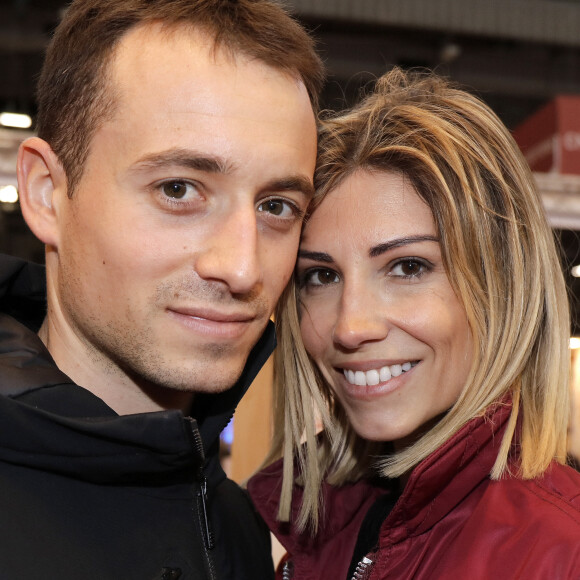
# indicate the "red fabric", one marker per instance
pixel 451 521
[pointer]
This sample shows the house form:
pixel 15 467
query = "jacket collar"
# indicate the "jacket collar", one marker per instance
pixel 434 488
pixel 440 482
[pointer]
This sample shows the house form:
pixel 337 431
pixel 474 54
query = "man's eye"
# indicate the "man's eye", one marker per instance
pixel 278 208
pixel 176 189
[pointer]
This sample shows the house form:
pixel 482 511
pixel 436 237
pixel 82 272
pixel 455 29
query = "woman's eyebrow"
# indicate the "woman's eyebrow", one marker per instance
pixel 316 256
pixel 398 242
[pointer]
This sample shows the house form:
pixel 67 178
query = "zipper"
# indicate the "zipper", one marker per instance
pixel 202 494
pixel 363 569
pixel 362 572
pixel 202 509
pixel 288 570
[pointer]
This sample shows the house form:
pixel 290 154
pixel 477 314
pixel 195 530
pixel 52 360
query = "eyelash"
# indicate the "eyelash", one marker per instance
pixel 297 212
pixel 304 279
pixel 423 264
pixel 176 202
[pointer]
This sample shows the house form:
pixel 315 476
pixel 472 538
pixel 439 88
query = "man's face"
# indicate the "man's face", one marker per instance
pixel 184 228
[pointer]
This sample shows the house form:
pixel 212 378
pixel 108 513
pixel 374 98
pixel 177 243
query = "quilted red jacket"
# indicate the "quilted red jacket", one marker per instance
pixel 451 521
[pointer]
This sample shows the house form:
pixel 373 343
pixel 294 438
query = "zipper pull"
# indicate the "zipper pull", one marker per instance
pixel 208 535
pixel 363 569
pixel 202 493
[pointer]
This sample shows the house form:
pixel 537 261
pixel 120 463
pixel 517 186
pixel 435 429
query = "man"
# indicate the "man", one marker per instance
pixel 173 166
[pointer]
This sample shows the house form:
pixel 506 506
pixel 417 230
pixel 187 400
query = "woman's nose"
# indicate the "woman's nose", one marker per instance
pixel 360 318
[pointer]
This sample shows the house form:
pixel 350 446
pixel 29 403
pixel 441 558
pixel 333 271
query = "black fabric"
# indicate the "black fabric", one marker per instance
pixel 368 535
pixel 86 493
pixel 23 291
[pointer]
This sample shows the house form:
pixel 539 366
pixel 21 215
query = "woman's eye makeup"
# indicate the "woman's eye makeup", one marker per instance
pixel 408 268
pixel 317 277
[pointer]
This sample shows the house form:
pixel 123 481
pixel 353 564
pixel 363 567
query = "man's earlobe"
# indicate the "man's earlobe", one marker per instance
pixel 41 185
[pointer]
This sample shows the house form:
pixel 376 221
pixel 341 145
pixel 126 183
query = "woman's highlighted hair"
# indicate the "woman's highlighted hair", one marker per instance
pixel 502 262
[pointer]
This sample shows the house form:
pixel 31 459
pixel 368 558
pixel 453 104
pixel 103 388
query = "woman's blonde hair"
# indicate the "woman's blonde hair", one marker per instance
pixel 502 262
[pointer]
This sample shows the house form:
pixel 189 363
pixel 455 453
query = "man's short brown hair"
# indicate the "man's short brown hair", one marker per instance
pixel 74 97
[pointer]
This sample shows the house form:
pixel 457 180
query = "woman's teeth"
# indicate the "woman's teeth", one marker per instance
pixel 376 376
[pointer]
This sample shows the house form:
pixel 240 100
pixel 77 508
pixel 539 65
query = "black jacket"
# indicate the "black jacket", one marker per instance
pixel 86 494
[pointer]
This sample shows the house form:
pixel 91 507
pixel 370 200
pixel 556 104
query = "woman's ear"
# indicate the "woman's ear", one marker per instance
pixel 42 186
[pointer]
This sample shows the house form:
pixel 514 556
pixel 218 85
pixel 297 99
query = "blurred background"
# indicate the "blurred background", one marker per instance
pixel 520 56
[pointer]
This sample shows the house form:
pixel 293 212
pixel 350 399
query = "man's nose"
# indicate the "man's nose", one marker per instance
pixel 231 254
pixel 360 317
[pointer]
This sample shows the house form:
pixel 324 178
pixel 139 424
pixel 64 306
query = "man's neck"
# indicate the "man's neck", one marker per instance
pixel 106 380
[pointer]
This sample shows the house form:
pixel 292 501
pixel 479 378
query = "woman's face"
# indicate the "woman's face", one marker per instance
pixel 378 313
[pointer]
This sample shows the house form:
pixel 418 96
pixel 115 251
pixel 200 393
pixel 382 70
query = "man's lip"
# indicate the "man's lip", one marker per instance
pixel 213 315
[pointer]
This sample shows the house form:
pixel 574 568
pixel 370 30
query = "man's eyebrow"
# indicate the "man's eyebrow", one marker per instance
pixel 316 256
pixel 183 158
pixel 291 183
pixel 398 242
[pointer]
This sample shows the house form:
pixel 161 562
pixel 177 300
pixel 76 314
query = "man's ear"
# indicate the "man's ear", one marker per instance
pixel 42 186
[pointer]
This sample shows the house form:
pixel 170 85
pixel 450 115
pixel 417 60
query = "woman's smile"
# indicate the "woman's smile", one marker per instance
pixel 377 376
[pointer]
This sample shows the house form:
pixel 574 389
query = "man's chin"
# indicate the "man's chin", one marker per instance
pixel 213 380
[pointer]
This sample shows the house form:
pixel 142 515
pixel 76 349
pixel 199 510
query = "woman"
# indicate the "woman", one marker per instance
pixel 434 346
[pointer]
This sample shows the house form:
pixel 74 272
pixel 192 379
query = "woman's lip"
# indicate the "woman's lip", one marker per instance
pixel 372 365
pixel 355 391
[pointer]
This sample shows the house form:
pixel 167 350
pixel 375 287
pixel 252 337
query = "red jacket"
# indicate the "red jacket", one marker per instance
pixel 451 522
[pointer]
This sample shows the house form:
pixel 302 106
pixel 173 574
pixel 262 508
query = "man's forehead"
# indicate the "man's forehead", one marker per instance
pixel 147 38
pixel 192 44
pixel 154 59
pixel 175 61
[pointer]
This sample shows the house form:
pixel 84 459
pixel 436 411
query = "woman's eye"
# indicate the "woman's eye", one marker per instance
pixel 278 208
pixel 319 277
pixel 177 189
pixel 408 268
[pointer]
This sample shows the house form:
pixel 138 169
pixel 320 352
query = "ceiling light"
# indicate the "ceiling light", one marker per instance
pixel 16 120
pixel 8 194
pixel 449 52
